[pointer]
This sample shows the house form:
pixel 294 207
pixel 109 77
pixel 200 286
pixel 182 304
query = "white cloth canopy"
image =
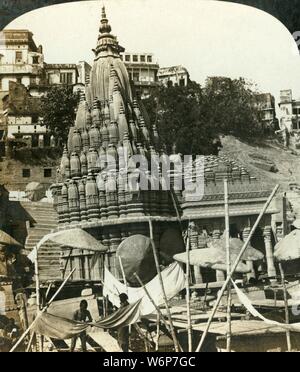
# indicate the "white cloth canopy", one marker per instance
pixel 248 305
pixel 173 278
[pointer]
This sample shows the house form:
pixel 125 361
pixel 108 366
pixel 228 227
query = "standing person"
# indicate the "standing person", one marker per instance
pixel 84 316
pixel 123 332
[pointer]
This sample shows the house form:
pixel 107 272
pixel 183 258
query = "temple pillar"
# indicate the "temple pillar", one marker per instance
pixel 77 264
pixel 269 251
pixel 87 264
pixel 220 275
pixel 194 245
pixel 251 274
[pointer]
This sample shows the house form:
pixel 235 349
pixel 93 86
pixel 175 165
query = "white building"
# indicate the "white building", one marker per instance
pixel 142 69
pixel 21 60
pixel 289 111
pixel 24 78
pixel 175 75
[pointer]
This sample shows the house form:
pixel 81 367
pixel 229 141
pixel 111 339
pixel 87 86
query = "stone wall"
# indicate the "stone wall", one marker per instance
pixel 14 174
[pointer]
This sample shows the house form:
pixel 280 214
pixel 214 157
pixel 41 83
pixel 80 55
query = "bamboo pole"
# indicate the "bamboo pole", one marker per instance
pixel 30 342
pixel 157 332
pixel 176 207
pixel 176 344
pixel 48 290
pixel 123 273
pixel 38 298
pixel 220 295
pixel 41 312
pixel 227 237
pixel 188 295
pixel 168 326
pixel 286 306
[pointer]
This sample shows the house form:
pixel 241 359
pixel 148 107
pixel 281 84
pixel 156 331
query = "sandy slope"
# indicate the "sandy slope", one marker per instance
pixel 288 164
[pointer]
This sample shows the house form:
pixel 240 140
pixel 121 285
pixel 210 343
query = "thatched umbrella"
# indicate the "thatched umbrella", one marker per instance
pixel 236 245
pixel 77 239
pixel 72 239
pixel 6 239
pixel 211 258
pixel 137 257
pixel 288 248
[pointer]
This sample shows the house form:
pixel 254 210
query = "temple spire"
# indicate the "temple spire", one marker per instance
pixel 105 27
pixel 107 43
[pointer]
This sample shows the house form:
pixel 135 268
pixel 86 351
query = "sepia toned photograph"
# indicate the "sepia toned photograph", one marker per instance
pixel 149 178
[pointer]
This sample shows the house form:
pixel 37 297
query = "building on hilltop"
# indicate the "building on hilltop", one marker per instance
pixel 25 77
pixel 142 70
pixel 23 117
pixel 175 75
pixel 267 109
pixel 21 60
pixel 289 111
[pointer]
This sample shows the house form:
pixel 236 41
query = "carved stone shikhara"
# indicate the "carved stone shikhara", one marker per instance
pixel 101 186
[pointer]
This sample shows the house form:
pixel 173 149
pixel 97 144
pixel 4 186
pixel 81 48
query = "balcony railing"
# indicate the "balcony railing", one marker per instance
pixel 20 69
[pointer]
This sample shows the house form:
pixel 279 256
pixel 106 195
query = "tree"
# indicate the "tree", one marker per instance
pixel 231 107
pixel 58 111
pixel 191 117
pixel 178 113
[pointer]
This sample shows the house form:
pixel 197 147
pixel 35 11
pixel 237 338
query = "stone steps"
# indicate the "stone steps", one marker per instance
pixel 46 220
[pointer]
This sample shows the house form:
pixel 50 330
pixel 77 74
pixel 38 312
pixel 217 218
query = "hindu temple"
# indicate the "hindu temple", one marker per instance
pixel 99 188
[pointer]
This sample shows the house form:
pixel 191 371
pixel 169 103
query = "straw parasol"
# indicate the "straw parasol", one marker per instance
pixel 70 239
pixel 211 258
pixel 77 239
pixel 137 257
pixel 236 245
pixel 6 239
pixel 288 248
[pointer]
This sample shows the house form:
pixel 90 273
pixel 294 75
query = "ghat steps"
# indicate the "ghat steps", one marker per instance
pixel 46 220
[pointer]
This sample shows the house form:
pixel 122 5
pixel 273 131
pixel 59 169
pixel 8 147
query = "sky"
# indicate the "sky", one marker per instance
pixel 209 38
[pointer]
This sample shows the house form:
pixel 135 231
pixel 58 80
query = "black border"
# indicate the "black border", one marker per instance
pixel 287 11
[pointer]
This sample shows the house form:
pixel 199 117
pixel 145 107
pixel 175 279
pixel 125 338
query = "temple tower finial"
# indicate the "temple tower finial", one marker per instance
pixel 105 27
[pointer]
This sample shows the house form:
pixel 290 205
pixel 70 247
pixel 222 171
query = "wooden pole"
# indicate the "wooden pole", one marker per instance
pixel 48 290
pixel 227 237
pixel 286 306
pixel 285 297
pixel 168 326
pixel 188 296
pixel 38 298
pixel 176 207
pixel 284 215
pixel 41 312
pixel 123 273
pixel 30 342
pixel 176 344
pixel 157 332
pixel 220 295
